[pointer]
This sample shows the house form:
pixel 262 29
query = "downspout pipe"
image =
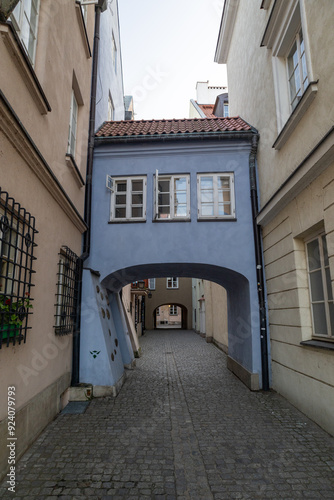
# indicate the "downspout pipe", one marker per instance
pixel 88 192
pixel 259 264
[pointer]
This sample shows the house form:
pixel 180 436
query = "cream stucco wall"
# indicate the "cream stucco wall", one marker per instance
pixel 303 203
pixel 33 171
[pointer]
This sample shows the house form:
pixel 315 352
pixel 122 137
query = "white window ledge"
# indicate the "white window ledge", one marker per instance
pixel 83 29
pixel 17 52
pixel 296 115
pixel 74 170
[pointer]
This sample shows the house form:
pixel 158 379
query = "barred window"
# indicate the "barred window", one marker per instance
pixel 17 235
pixel 67 291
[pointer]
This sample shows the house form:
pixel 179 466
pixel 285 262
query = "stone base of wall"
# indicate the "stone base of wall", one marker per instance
pixel 32 419
pixel 220 346
pixel 251 380
pixel 100 391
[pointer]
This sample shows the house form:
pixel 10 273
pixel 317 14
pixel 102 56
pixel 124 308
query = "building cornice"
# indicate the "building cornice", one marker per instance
pixel 226 31
pixel 18 136
pixel 320 158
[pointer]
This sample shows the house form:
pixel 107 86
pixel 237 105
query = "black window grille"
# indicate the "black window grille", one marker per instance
pixel 17 243
pixel 67 291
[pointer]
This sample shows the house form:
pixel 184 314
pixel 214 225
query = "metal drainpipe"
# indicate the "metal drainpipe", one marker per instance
pixel 88 193
pixel 259 265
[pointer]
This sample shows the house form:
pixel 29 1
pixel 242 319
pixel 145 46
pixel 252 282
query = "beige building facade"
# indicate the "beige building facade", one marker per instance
pixel 210 312
pixel 44 113
pixel 171 291
pixel 280 64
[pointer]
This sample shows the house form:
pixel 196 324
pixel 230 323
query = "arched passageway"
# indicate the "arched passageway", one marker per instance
pixel 170 315
pixel 243 315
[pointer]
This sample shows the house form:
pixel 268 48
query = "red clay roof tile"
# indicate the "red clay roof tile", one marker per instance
pixel 175 126
pixel 207 110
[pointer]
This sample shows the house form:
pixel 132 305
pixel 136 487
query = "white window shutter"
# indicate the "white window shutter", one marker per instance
pixel 156 194
pixel 110 183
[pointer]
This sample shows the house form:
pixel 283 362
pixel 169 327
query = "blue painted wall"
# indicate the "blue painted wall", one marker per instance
pixel 221 251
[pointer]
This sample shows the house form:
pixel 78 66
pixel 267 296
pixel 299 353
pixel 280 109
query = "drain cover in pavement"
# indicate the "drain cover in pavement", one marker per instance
pixel 75 407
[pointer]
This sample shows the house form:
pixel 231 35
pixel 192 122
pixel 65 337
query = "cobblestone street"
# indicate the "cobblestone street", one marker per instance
pixel 182 427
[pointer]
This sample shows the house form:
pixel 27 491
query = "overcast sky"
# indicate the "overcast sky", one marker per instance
pixel 167 46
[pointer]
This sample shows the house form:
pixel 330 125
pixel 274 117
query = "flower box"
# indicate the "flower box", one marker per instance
pixel 10 331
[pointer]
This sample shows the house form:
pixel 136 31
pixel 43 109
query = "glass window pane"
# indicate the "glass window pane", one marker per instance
pixel 121 186
pixel 137 185
pixel 317 291
pixel 329 284
pixel 223 182
pixel 137 212
pixel 120 199
pixel 137 199
pixel 224 209
pixel 319 319
pixel 324 247
pixel 163 199
pixel 207 197
pixel 206 182
pixel 164 212
pixel 224 196
pixel 331 315
pixel 207 210
pixel 313 255
pixel 120 213
pixel 180 184
pixel 164 186
pixel 180 198
pixel 180 210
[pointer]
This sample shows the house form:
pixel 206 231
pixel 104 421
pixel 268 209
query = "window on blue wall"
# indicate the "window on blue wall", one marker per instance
pixel 172 197
pixel 128 199
pixel 215 196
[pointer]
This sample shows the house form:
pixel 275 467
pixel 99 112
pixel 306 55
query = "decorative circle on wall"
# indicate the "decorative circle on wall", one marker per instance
pixel 27 239
pixel 112 356
pixel 97 288
pixel 103 312
pixel 102 296
pixel 109 332
pixel 116 342
pixel 108 313
pixel 107 301
pixel 115 351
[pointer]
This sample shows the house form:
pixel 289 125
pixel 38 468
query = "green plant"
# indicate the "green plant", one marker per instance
pixel 12 312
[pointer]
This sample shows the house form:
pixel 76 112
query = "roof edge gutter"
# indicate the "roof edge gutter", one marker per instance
pixel 245 134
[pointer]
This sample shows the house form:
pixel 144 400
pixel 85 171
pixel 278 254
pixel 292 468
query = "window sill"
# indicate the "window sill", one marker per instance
pixel 24 66
pixel 186 219
pixel 83 29
pixel 216 219
pixel 296 115
pixel 320 344
pixel 128 221
pixel 74 170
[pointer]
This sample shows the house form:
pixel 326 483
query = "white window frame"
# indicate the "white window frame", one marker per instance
pixel 216 216
pixel 326 288
pixel 171 178
pixel 284 25
pixel 25 20
pixel 173 310
pixel 128 205
pixel 226 110
pixel 172 283
pixel 298 70
pixel 73 125
pixel 151 284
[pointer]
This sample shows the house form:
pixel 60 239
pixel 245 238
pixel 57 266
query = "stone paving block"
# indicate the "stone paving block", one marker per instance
pixel 182 428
